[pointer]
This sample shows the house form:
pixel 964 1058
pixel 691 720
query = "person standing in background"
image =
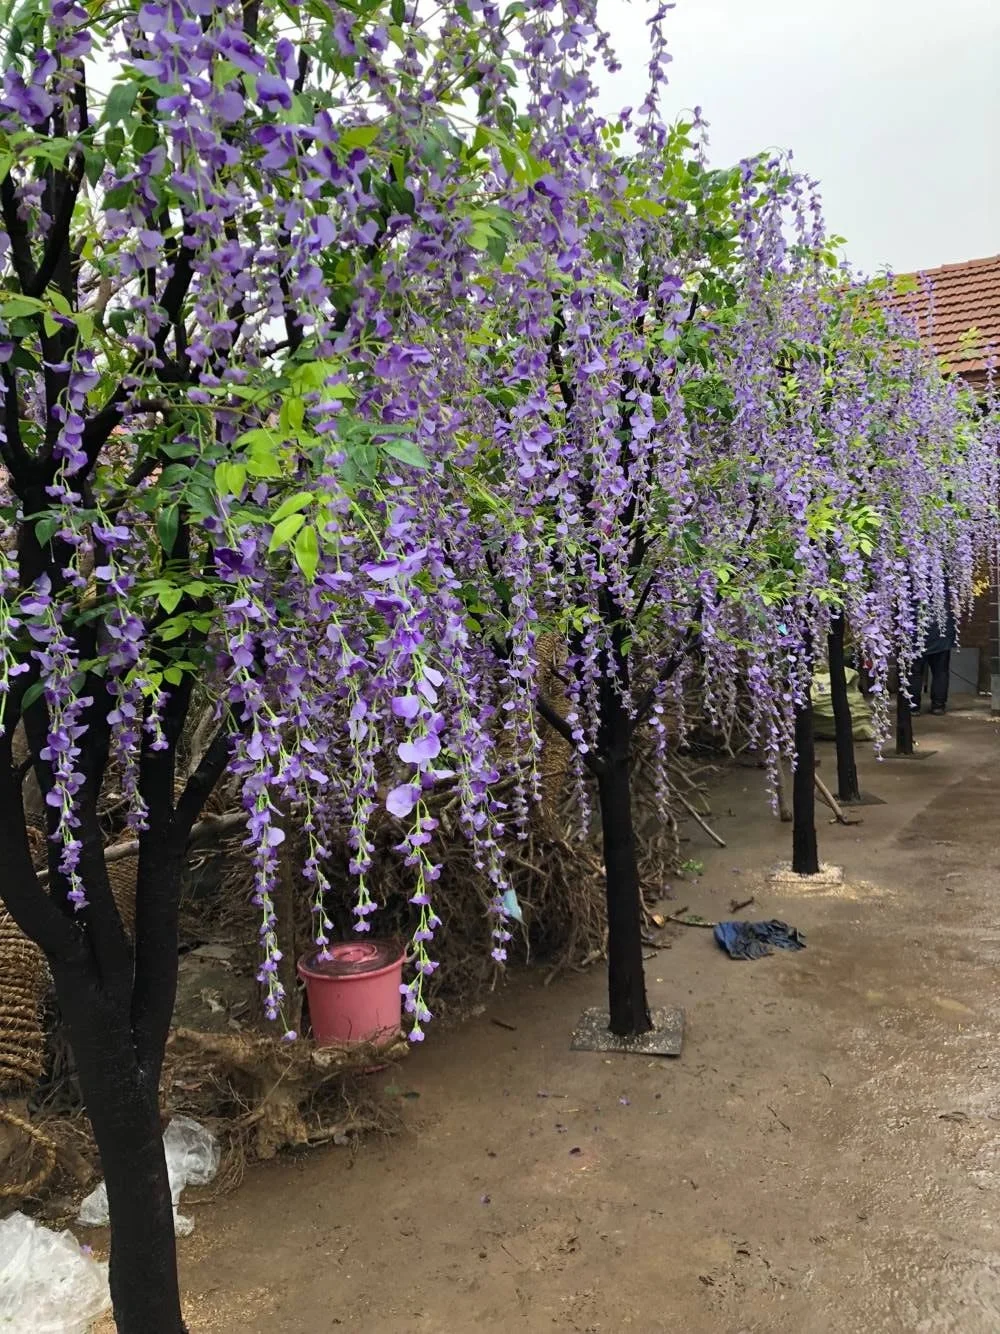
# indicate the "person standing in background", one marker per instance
pixel 937 658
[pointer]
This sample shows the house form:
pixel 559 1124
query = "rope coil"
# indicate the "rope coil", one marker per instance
pixel 20 1189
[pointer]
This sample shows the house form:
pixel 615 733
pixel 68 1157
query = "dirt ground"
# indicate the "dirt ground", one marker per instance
pixel 822 1159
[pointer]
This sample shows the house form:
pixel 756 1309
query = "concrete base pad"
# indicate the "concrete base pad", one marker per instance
pixel 827 875
pixel 663 1039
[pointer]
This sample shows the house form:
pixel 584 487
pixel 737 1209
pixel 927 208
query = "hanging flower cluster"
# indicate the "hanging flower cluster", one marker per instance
pixel 230 458
pixel 328 374
pixel 720 439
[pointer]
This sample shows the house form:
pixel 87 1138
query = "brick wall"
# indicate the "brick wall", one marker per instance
pixel 981 631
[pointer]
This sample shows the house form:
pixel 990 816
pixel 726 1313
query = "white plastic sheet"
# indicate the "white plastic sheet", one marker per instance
pixel 48 1285
pixel 192 1160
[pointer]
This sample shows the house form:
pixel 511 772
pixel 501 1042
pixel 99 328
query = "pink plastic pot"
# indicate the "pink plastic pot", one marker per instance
pixel 354 995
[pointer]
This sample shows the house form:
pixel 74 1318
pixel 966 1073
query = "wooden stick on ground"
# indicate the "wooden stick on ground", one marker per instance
pixel 684 918
pixel 720 842
pixel 832 802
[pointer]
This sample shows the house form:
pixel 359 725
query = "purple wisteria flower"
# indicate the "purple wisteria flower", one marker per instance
pixel 343 414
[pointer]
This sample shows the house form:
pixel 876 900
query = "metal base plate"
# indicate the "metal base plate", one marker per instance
pixel 917 755
pixel 663 1039
pixel 866 799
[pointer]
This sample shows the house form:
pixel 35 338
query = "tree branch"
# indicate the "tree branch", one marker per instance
pixel 201 783
pixel 20 246
pixel 99 427
pixel 671 666
pixel 556 359
pixel 58 237
pixel 99 922
pixel 26 901
pixel 644 595
pixel 559 724
pixel 214 825
pixel 22 466
pixel 668 669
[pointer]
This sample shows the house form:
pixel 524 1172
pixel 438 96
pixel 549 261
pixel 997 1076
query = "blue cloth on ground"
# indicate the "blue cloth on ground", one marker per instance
pixel 752 940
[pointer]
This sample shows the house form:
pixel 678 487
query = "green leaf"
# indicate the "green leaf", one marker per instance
pixel 173 629
pixel 398 11
pixel 119 195
pixel 647 208
pixel 309 375
pixel 114 145
pixel 170 597
pixel 45 528
pixel 285 530
pixel 93 164
pixel 144 138
pixel 510 161
pixel 406 451
pixel 173 675
pixel 23 360
pixel 497 248
pixel 293 414
pixel 230 478
pixel 176 449
pixel 264 447
pixel 263 463
pixel 292 505
pixel 360 136
pixel 167 523
pixel 20 307
pixel 32 694
pixel 120 102
pixel 306 551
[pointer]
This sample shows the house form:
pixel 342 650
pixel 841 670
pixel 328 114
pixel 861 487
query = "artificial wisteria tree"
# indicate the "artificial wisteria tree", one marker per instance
pixel 649 436
pixel 224 226
pixel 711 443
pixel 342 348
pixel 905 492
pixel 891 484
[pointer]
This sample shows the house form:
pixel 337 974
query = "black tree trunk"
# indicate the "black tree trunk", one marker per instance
pixel 805 853
pixel 904 721
pixel 116 996
pixel 626 981
pixel 122 1101
pixel 118 1032
pixel 848 789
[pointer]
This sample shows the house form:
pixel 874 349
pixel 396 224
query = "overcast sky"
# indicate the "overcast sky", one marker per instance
pixel 894 105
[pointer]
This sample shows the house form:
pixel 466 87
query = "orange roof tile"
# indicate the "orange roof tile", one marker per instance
pixel 961 316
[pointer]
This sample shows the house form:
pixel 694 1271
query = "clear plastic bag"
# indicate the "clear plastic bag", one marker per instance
pixel 48 1285
pixel 192 1160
